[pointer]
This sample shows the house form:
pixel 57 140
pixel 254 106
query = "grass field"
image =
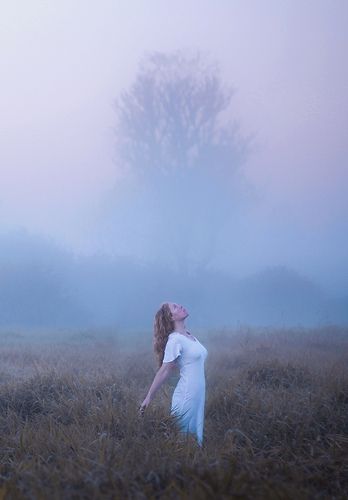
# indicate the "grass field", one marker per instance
pixel 276 417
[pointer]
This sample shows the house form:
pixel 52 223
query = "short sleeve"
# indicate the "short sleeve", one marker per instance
pixel 172 350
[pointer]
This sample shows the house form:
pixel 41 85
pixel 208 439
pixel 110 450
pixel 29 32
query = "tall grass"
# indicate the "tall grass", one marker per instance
pixel 276 418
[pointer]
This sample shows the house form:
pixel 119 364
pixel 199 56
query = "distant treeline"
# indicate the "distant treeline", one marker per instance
pixel 42 284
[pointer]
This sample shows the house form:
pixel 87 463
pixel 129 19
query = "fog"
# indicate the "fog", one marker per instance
pixel 151 152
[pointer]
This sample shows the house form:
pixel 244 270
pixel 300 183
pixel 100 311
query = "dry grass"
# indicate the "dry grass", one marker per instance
pixel 276 419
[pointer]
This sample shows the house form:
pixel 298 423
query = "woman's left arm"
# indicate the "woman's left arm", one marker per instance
pixel 161 376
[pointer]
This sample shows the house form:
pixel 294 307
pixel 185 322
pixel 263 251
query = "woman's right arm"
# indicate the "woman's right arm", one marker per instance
pixel 161 376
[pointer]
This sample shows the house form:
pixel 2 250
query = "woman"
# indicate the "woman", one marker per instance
pixel 176 347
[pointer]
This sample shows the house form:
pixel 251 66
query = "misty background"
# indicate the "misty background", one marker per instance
pixel 194 153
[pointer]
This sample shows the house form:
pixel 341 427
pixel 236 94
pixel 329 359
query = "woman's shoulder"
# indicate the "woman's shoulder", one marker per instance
pixel 180 335
pixel 174 336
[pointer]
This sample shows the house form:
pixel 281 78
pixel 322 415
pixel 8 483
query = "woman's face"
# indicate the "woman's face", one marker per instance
pixel 178 312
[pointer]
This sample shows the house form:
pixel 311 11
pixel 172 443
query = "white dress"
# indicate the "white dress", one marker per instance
pixel 189 394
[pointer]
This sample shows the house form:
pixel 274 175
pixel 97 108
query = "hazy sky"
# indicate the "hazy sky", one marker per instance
pixel 64 62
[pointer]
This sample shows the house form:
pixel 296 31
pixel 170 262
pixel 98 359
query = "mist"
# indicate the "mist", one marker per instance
pixel 198 157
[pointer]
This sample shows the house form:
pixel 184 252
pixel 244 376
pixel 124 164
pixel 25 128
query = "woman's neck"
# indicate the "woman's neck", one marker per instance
pixel 180 327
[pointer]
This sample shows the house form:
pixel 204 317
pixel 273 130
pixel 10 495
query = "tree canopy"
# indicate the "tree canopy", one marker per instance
pixel 172 137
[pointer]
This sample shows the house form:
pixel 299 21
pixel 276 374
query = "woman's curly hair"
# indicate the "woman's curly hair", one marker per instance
pixel 163 326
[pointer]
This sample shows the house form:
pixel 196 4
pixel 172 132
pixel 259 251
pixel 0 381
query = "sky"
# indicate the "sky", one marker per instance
pixel 64 63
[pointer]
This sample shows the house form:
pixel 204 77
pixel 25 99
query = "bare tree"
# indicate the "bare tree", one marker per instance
pixel 171 138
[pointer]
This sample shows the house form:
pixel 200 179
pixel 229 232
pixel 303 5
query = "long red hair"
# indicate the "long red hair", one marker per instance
pixel 162 327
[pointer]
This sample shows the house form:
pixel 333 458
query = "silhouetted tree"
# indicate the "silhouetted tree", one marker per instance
pixel 171 141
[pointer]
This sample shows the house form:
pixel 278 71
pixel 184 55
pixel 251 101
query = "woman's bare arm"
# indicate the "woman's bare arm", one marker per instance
pixel 161 376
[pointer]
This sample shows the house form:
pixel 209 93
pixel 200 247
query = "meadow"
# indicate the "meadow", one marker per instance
pixel 276 417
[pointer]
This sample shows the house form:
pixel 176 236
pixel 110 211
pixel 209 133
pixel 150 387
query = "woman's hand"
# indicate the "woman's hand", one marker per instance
pixel 144 405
